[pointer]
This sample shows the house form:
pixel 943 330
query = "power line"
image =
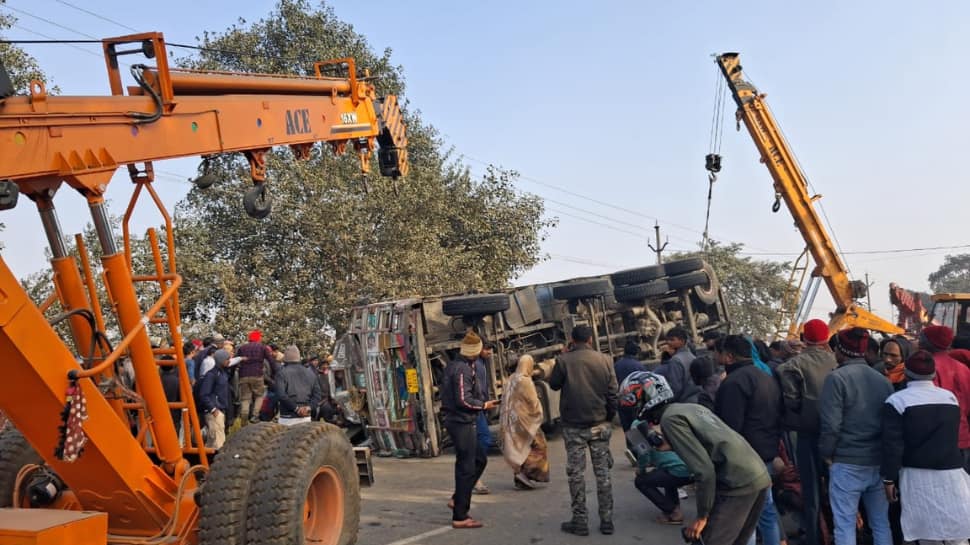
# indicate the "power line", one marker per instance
pixel 50 40
pixel 48 21
pixel 102 17
pixel 594 222
pixel 582 261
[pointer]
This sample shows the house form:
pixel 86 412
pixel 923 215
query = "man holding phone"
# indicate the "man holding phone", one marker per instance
pixel 461 403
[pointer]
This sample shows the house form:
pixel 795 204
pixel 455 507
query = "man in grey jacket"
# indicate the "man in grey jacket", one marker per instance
pixel 802 377
pixel 587 406
pixel 297 389
pixel 677 369
pixel 851 409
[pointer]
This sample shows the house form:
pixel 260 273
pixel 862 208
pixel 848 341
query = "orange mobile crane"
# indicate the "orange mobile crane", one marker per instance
pixel 791 185
pixel 92 460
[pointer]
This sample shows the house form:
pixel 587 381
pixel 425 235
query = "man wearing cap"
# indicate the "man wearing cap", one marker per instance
pixel 850 413
pixel 950 375
pixel 296 388
pixel 461 403
pixel 586 407
pixel 252 387
pixel 730 478
pixel 801 378
pixel 214 399
pixel 922 465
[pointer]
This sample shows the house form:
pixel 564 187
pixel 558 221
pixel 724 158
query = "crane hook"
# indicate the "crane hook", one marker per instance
pixel 777 205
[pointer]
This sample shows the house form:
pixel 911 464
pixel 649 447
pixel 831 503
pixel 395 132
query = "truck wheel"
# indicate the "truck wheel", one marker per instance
pixel 309 492
pixel 684 266
pixel 15 453
pixel 476 305
pixel 641 275
pixel 703 282
pixel 579 290
pixel 226 493
pixel 638 292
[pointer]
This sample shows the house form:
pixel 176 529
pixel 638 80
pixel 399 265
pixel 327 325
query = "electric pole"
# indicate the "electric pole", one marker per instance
pixel 868 299
pixel 659 248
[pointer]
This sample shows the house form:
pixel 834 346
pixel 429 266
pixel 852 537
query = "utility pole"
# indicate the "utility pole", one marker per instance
pixel 659 248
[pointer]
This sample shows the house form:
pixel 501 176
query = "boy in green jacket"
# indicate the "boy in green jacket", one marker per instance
pixel 730 478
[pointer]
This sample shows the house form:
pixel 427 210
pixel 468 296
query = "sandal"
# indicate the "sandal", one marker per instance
pixel 467 523
pixel 666 519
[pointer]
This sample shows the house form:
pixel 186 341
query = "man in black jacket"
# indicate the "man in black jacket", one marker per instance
pixel 749 402
pixel 461 402
pixel 297 389
pixel 586 407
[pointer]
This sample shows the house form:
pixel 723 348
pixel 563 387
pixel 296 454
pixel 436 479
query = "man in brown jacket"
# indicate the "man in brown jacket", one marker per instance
pixel 802 377
pixel 587 406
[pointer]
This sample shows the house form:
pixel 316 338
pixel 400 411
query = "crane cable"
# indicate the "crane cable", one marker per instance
pixel 712 161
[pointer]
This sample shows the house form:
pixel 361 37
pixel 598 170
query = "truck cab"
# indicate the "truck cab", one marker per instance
pixel 953 311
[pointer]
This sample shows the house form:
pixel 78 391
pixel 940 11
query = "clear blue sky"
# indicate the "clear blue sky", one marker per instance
pixel 613 100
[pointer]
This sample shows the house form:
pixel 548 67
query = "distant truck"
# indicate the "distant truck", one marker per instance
pixel 387 368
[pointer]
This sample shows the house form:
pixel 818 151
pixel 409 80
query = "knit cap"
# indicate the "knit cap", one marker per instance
pixel 920 366
pixel 218 340
pixel 291 354
pixel 815 332
pixel 471 345
pixel 938 336
pixel 255 336
pixel 853 342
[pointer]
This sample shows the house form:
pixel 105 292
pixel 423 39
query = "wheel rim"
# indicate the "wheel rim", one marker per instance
pixel 323 510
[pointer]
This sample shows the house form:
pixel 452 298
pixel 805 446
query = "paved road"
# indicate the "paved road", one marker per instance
pixel 407 506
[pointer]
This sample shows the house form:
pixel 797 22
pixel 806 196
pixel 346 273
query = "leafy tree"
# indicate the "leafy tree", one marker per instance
pixel 953 276
pixel 333 240
pixel 753 288
pixel 20 66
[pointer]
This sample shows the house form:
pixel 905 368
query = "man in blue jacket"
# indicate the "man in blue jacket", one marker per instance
pixel 214 399
pixel 461 403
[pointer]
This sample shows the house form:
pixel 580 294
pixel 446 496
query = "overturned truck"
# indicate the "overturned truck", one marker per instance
pixel 388 366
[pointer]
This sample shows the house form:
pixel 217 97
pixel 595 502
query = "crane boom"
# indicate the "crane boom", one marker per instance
pixel 791 185
pixel 144 481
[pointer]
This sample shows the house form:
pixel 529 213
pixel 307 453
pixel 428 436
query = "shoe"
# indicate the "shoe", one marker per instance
pixel 630 456
pixel 480 489
pixel 681 493
pixel 523 481
pixel 466 524
pixel 574 528
pixel 667 519
pixel 606 527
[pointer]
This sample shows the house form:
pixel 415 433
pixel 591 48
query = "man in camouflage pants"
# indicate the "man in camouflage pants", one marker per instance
pixel 587 406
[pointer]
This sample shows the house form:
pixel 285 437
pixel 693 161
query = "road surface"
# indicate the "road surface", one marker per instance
pixel 407 505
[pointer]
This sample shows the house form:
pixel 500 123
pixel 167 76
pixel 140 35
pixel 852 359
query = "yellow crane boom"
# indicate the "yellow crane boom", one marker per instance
pixel 791 186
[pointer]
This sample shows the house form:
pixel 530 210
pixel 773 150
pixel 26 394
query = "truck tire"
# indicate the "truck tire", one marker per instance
pixel 639 292
pixel 309 492
pixel 641 275
pixel 476 305
pixel 226 493
pixel 684 266
pixel 579 290
pixel 703 282
pixel 15 453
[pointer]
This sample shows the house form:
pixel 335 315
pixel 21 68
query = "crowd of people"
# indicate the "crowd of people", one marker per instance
pixel 864 438
pixel 255 382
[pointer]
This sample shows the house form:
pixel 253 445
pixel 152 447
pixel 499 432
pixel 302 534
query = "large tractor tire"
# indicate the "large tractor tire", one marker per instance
pixel 476 305
pixel 638 292
pixel 580 290
pixel 640 275
pixel 309 493
pixel 15 453
pixel 227 489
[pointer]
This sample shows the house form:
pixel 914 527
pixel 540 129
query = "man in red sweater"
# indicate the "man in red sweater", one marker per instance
pixel 950 375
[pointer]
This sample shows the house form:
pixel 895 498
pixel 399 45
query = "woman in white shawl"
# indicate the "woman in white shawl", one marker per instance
pixel 523 443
